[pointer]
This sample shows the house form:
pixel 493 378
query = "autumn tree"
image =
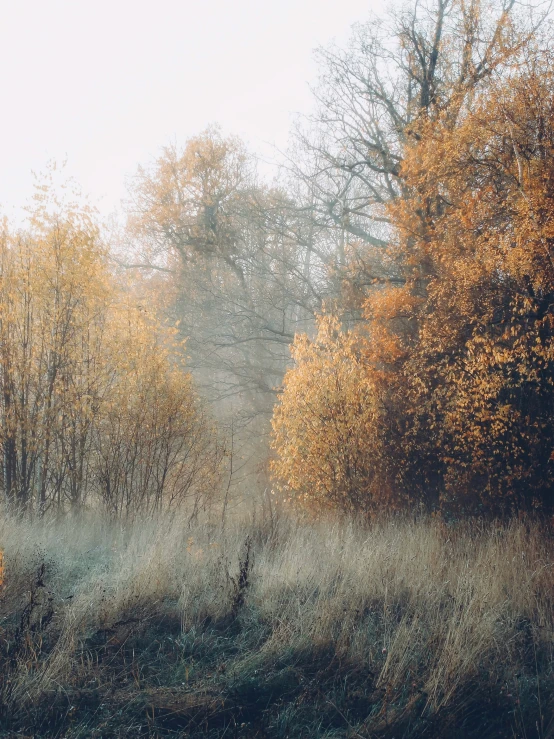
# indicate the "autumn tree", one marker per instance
pixel 420 61
pixel 72 361
pixel 327 425
pixel 54 291
pixel 481 370
pixel 241 272
pixel 236 259
pixel 155 446
pixel 456 301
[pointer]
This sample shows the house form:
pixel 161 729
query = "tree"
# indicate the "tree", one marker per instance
pixel 481 217
pixel 243 271
pixel 457 324
pixel 425 61
pixel 327 426
pixel 74 365
pixel 54 291
pixel 155 446
pixel 242 276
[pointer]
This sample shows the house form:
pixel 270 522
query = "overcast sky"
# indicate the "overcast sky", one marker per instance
pixel 106 83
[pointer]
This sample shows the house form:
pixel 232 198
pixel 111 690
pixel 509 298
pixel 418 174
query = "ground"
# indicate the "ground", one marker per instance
pixel 276 628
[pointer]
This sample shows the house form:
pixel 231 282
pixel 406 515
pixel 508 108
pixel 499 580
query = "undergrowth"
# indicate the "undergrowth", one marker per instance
pixel 402 629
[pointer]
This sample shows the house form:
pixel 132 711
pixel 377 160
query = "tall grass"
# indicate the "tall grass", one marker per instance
pixel 280 629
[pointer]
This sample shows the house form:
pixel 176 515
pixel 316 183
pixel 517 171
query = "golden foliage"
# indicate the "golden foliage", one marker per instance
pixel 327 423
pixel 94 403
pixel 451 397
pixel 480 375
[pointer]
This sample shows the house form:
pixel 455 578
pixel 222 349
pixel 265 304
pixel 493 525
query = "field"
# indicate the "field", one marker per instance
pixel 276 628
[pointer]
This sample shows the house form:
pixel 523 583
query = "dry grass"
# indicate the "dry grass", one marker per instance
pixel 404 629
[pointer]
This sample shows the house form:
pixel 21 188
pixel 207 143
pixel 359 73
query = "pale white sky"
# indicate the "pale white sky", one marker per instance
pixel 106 83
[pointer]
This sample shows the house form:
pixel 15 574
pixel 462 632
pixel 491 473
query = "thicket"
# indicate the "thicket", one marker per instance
pixel 96 406
pixel 441 394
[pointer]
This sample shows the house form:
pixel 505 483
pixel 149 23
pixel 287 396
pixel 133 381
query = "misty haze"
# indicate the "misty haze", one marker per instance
pixel 277 370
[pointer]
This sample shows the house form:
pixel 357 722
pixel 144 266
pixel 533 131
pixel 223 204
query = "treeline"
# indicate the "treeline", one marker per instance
pixel 404 252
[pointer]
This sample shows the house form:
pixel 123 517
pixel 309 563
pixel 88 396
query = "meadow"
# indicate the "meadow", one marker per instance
pixel 275 627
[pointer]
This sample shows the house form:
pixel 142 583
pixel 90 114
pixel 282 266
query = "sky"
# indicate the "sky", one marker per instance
pixel 104 84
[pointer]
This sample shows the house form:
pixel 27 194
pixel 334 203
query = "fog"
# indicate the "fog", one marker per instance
pixel 277 411
pixel 106 84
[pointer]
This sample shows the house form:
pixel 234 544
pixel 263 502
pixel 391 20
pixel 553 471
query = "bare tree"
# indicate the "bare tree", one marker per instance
pixel 425 60
pixel 242 259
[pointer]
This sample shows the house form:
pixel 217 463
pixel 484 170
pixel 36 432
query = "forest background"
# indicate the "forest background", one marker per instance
pixel 404 252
